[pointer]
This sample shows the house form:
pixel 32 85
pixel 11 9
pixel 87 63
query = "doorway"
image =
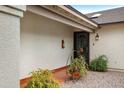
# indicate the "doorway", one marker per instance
pixel 81 40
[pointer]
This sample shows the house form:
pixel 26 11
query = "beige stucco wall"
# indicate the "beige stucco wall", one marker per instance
pixel 111 43
pixel 41 43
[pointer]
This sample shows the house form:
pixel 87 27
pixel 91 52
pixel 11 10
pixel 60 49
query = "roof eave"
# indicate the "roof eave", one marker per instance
pixel 73 9
pixel 72 15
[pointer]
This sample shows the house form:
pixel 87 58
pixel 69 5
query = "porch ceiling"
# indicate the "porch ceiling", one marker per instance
pixel 64 15
pixel 72 15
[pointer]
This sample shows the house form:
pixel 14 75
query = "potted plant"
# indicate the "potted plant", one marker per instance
pixel 77 68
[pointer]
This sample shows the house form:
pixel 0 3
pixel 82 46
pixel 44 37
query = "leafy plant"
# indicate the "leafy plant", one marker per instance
pixel 42 79
pixel 99 63
pixel 77 68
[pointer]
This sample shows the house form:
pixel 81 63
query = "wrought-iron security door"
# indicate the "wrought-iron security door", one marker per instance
pixel 81 40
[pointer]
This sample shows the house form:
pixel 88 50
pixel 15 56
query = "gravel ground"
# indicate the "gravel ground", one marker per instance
pixel 98 80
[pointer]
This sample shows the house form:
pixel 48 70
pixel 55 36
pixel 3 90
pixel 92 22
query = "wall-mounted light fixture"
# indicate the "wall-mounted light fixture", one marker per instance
pixel 63 44
pixel 97 37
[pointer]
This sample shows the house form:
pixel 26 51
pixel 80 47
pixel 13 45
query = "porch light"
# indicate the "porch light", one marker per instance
pixel 97 37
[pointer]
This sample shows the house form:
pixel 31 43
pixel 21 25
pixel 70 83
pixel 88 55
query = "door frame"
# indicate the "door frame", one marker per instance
pixel 87 40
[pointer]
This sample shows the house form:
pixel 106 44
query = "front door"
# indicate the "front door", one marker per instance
pixel 81 40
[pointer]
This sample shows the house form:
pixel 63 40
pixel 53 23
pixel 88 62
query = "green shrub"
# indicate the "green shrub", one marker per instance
pixel 99 63
pixel 77 65
pixel 42 79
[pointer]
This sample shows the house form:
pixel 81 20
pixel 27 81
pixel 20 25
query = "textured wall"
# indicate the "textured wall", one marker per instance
pixel 9 50
pixel 41 43
pixel 111 43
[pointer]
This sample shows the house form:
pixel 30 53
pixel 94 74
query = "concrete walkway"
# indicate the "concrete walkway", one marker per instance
pixel 98 80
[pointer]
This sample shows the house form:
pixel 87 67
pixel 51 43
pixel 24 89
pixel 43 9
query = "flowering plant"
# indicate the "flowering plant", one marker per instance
pixel 77 68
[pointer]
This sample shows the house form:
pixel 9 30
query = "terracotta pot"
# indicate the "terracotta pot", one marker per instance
pixel 76 75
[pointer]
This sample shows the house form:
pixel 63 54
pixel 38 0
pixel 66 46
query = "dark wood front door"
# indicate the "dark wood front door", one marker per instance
pixel 81 40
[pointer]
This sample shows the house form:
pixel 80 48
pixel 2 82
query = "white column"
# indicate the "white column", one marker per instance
pixel 10 45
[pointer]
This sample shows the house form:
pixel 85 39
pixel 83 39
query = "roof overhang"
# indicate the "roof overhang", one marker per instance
pixel 65 15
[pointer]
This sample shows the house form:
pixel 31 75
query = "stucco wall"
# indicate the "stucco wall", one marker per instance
pixel 111 43
pixel 41 43
pixel 9 50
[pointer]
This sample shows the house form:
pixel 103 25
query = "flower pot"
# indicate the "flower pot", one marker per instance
pixel 75 75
